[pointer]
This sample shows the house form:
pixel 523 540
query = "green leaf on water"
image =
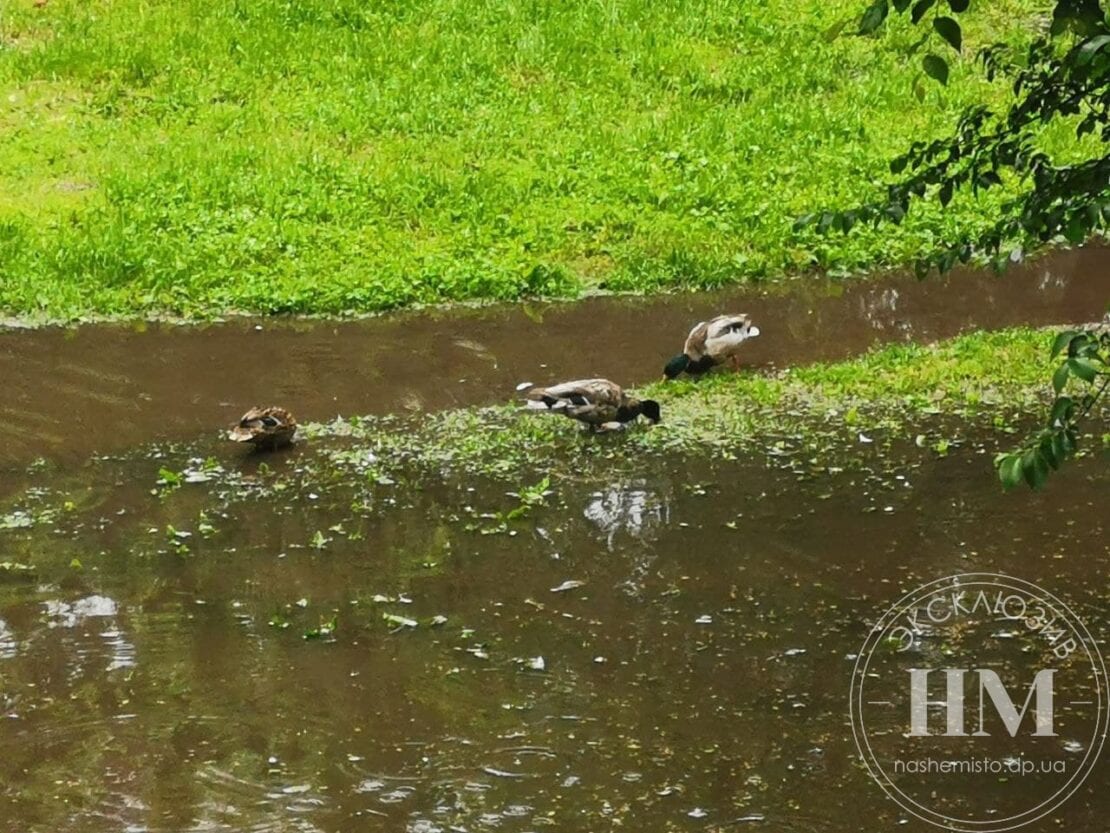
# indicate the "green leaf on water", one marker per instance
pixel 833 32
pixel 323 630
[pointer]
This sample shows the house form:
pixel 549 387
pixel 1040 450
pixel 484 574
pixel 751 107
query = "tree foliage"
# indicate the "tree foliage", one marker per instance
pixel 1085 358
pixel 1063 76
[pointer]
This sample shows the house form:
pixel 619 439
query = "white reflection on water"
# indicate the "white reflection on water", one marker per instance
pixel 72 614
pixel 67 615
pixel 880 308
pixel 629 507
pixel 8 645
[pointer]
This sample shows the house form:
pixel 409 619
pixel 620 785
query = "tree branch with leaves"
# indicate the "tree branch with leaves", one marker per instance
pixel 1064 74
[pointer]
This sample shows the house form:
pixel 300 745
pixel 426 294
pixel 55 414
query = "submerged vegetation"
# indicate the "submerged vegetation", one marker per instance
pixel 885 396
pixel 329 156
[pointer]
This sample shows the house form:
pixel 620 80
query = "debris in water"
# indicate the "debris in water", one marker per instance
pixel 570 584
pixel 400 621
pixel 501 773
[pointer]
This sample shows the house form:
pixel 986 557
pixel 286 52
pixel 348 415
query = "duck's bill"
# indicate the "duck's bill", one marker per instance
pixel 753 331
pixel 240 435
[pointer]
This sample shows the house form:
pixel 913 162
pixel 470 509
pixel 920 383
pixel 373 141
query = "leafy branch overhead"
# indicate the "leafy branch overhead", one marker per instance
pixel 1063 76
pixel 1085 358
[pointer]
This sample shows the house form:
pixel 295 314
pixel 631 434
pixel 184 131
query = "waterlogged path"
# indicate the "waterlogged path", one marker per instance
pixel 197 639
pixel 104 388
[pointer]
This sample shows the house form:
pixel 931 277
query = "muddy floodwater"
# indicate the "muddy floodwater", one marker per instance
pixel 671 650
pixel 197 639
pixel 72 391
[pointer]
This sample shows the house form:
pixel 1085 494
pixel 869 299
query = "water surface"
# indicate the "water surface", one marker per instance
pixel 72 392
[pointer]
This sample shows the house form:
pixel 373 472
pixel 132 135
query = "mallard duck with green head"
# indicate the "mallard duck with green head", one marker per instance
pixel 265 428
pixel 711 343
pixel 598 403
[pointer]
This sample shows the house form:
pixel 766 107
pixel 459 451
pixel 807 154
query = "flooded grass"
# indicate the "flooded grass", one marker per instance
pixel 661 647
pixel 462 616
pixel 71 392
pixel 984 379
pixel 474 618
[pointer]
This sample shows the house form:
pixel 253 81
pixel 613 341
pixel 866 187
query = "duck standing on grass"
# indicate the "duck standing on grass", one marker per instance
pixel 598 403
pixel 711 343
pixel 266 428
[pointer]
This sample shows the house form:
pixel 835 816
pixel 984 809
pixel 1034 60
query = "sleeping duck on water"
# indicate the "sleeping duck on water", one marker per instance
pixel 266 428
pixel 711 343
pixel 598 403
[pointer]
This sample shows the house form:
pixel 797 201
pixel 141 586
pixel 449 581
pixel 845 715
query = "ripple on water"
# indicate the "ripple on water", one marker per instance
pixel 9 647
pixel 70 614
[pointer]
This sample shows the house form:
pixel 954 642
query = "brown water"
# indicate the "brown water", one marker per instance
pixel 98 389
pixel 697 680
pixel 154 670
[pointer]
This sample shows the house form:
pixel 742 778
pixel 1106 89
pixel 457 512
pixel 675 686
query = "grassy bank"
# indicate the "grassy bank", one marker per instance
pixel 333 155
pixel 929 395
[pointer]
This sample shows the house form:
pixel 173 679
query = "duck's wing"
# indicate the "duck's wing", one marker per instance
pixel 695 342
pixel 262 422
pixel 725 333
pixel 583 399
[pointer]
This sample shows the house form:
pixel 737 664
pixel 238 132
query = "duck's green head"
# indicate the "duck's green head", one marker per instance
pixel 676 365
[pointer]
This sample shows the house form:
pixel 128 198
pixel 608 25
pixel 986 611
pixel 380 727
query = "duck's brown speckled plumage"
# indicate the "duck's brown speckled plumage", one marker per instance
pixel 268 427
pixel 594 402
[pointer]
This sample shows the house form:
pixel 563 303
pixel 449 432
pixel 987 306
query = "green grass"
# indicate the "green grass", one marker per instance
pixel 338 155
pixel 980 381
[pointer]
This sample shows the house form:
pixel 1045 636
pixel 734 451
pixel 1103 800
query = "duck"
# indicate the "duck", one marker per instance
pixel 266 428
pixel 597 403
pixel 711 343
